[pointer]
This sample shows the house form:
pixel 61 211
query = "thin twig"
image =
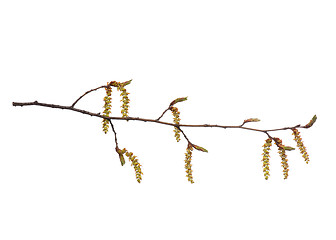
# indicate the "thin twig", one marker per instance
pixel 185 136
pixel 163 114
pixel 115 134
pixel 85 94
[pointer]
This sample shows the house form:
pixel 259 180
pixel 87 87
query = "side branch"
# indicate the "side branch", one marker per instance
pixel 85 94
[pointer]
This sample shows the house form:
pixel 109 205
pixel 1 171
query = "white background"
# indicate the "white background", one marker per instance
pixel 60 177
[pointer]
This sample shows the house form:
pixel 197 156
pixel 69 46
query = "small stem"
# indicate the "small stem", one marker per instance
pixel 115 134
pixel 185 136
pixel 178 127
pixel 85 94
pixel 162 114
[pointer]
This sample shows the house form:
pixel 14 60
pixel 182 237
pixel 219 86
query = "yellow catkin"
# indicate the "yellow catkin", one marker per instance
pixel 266 156
pixel 188 156
pixel 284 160
pixel 125 100
pixel 123 94
pixel 134 162
pixel 300 145
pixel 177 120
pixel 107 108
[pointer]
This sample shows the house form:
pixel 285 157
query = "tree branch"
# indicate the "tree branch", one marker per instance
pixel 85 94
pixel 36 103
pixel 178 129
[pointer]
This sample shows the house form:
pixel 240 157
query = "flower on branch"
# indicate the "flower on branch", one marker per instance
pixel 107 108
pixel 134 162
pixel 125 101
pixel 124 95
pixel 300 145
pixel 177 120
pixel 266 155
pixel 188 156
pixel 282 153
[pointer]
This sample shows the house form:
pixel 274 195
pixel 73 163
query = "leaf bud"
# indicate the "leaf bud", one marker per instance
pixel 311 122
pixel 288 148
pixel 199 148
pixel 252 120
pixel 178 100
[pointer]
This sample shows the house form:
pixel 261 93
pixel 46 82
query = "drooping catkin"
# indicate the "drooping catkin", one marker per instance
pixel 124 99
pixel 123 94
pixel 107 107
pixel 300 145
pixel 282 153
pixel 135 163
pixel 266 156
pixel 188 156
pixel 177 120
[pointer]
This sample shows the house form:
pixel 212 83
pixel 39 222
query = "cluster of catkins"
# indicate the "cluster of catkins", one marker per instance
pixel 124 112
pixel 124 99
pixel 282 150
pixel 177 133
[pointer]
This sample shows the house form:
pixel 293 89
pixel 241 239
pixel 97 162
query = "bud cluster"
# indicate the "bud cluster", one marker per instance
pixel 177 120
pixel 266 156
pixel 300 145
pixel 188 156
pixel 107 108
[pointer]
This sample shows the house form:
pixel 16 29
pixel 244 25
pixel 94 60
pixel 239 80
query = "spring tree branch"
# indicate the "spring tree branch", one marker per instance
pixel 108 121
